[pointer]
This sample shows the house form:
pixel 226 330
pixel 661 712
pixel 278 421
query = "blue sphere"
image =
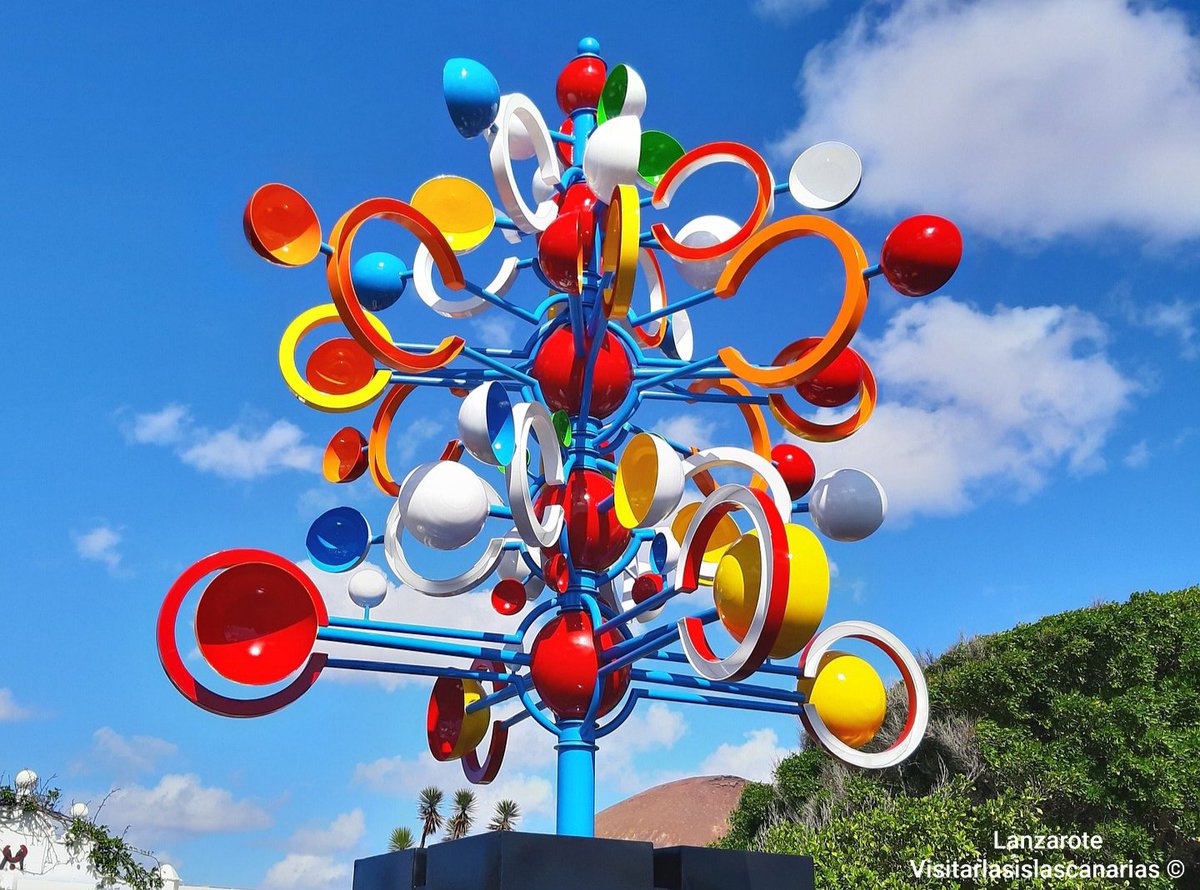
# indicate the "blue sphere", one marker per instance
pixel 338 540
pixel 589 46
pixel 472 96
pixel 378 280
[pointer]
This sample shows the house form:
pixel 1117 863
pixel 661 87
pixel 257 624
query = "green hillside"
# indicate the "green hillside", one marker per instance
pixel 1088 721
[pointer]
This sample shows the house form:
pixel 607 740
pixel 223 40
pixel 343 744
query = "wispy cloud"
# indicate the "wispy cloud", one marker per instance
pixel 240 451
pixel 10 709
pixel 753 759
pixel 101 544
pixel 138 754
pixel 180 804
pixel 786 10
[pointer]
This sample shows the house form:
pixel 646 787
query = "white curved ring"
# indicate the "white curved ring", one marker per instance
pixel 729 456
pixel 910 672
pixel 534 418
pixel 752 650
pixel 527 219
pixel 393 549
pixel 468 306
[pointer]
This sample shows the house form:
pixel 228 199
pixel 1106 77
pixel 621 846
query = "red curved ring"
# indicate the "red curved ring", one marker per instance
pixel 341 285
pixel 483 773
pixel 195 691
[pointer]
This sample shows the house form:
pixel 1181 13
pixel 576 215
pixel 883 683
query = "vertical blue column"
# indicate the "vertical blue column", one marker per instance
pixel 576 780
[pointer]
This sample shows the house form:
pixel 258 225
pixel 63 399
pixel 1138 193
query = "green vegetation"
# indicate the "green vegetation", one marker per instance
pixel 460 822
pixel 112 861
pixel 1088 721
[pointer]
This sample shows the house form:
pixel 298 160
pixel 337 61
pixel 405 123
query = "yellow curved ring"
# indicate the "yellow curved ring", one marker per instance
pixel 844 327
pixel 340 403
pixel 620 255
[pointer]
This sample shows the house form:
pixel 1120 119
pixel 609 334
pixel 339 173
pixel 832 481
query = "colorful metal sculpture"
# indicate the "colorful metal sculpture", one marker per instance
pixel 611 524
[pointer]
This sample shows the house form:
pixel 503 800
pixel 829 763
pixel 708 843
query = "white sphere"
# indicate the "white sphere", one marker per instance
pixel 705 231
pixel 542 190
pixel 79 811
pixel 25 780
pixel 612 155
pixel 443 504
pixel 367 588
pixel 520 146
pixel 847 504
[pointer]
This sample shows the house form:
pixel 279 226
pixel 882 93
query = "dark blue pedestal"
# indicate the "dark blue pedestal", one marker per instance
pixel 510 860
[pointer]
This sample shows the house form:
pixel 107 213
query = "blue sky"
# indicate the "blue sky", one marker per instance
pixel 1038 428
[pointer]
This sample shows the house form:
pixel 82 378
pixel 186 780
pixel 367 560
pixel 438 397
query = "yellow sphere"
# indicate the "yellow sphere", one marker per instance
pixel 474 725
pixel 849 697
pixel 735 588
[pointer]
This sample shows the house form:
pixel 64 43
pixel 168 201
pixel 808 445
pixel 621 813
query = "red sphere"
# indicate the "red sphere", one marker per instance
pixel 578 197
pixel 559 369
pixel 646 586
pixel 339 366
pixel 581 83
pixel 508 596
pixel 796 468
pixel 565 667
pixel 596 539
pixel 564 148
pixel 921 254
pixel 561 250
pixel 837 384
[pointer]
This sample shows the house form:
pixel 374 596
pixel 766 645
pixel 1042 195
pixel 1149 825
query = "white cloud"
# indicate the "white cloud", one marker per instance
pixel 754 759
pixel 182 805
pixel 1178 319
pixel 10 710
pixel 786 10
pixel 497 329
pixel 687 429
pixel 1018 118
pixel 416 433
pixel 343 833
pixel 235 452
pixel 99 545
pixel 305 871
pixel 1139 455
pixel 978 403
pixel 137 754
pixel 656 728
pixel 163 427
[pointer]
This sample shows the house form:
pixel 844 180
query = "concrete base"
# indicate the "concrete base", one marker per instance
pixel 511 860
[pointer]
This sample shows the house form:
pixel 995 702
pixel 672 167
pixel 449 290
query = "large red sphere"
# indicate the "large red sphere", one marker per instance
pixel 565 667
pixel 796 468
pixel 837 384
pixel 595 539
pixel 559 369
pixel 921 254
pixel 561 250
pixel 581 83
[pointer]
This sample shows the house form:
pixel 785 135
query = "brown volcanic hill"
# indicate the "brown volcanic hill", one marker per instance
pixel 693 812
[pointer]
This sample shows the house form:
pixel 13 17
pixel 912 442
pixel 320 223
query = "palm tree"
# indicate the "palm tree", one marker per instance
pixel 460 821
pixel 401 839
pixel 506 816
pixel 429 811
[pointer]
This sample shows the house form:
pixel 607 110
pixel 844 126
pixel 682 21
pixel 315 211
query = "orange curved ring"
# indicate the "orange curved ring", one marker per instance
pixel 844 327
pixel 756 421
pixel 825 432
pixel 341 287
pixel 703 156
pixel 377 444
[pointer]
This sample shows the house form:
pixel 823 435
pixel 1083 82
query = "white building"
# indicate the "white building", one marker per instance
pixel 34 855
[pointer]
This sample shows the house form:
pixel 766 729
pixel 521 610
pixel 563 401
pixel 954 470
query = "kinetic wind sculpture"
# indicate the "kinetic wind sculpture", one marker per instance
pixel 604 532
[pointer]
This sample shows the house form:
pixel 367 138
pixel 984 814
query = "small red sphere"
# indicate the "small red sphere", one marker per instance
pixel 577 197
pixel 581 83
pixel 596 539
pixel 796 468
pixel 559 369
pixel 837 384
pixel 646 586
pixel 564 148
pixel 565 667
pixel 508 596
pixel 561 250
pixel 921 254
pixel 345 457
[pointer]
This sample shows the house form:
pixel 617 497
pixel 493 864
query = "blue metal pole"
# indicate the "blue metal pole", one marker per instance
pixel 576 780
